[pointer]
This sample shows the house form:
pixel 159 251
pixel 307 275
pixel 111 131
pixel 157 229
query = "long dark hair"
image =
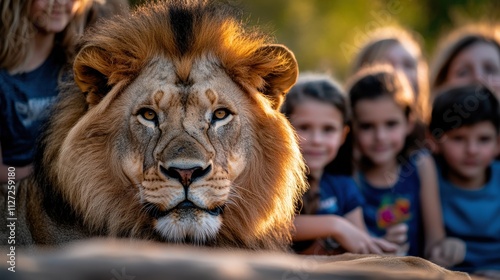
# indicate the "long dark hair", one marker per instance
pixel 321 88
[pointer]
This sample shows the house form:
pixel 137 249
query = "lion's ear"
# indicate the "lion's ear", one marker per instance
pixel 282 76
pixel 91 68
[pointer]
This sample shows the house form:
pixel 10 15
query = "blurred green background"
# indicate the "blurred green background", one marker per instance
pixel 324 34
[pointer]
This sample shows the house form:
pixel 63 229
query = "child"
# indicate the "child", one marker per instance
pixel 468 55
pixel 466 127
pixel 317 109
pixel 38 38
pixel 402 49
pixel 399 185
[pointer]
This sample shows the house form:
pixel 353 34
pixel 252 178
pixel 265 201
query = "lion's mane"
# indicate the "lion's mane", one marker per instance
pixel 80 170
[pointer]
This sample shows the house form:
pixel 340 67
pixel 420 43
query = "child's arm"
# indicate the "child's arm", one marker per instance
pixel 309 227
pixel 430 203
pixel 440 249
pixel 351 238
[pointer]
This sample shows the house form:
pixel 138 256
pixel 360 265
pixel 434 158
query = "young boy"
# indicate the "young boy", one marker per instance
pixel 465 125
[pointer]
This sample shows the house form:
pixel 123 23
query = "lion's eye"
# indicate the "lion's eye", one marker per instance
pixel 220 114
pixel 148 114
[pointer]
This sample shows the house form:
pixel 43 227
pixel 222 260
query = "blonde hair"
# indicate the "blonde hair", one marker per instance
pixel 17 31
pixel 379 40
pixel 453 43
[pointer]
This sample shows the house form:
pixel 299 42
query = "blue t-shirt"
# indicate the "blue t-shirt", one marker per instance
pixel 474 217
pixel 24 102
pixel 400 203
pixel 338 195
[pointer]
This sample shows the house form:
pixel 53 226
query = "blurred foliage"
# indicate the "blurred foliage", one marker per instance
pixel 325 34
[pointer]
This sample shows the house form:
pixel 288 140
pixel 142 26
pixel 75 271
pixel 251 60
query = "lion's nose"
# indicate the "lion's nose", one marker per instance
pixel 186 176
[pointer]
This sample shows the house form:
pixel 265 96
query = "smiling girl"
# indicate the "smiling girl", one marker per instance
pixel 399 184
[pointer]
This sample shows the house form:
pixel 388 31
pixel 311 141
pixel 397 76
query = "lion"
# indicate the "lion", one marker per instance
pixel 169 131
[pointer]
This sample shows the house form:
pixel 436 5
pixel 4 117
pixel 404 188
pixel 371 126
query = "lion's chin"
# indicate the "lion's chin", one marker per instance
pixel 194 226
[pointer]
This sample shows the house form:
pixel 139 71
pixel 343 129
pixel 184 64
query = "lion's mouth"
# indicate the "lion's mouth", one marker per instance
pixel 154 210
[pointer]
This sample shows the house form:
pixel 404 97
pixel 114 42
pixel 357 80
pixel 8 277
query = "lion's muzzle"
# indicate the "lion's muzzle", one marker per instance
pixel 186 189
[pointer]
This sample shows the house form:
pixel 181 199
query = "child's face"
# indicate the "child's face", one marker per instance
pixel 402 60
pixel 380 128
pixel 320 127
pixel 52 16
pixel 480 62
pixel 469 150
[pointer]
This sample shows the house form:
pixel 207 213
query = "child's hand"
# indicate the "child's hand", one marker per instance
pixel 403 249
pixel 354 240
pixel 397 233
pixel 386 246
pixel 448 252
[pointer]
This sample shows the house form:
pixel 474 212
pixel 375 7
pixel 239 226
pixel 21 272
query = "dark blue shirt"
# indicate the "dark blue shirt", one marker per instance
pixel 391 205
pixel 339 195
pixel 25 99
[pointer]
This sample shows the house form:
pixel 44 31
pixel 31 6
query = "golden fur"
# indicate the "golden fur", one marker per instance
pixel 124 144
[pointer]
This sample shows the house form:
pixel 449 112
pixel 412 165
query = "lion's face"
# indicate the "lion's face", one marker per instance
pixel 176 136
pixel 189 146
